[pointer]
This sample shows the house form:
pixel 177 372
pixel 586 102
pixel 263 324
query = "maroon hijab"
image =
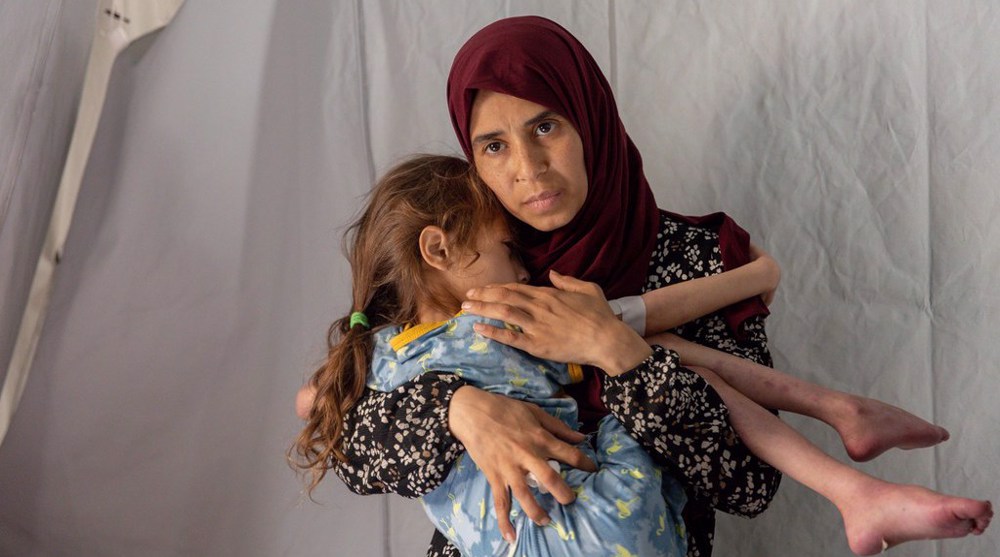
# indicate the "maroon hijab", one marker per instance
pixel 611 239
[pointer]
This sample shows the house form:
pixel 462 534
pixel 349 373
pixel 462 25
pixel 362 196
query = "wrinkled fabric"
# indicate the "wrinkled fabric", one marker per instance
pixel 856 141
pixel 627 507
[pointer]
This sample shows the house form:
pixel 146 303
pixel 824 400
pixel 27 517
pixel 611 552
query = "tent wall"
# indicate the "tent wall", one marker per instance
pixel 856 141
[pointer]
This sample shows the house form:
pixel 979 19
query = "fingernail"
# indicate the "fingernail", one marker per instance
pixel 545 521
pixel 509 538
pixel 466 305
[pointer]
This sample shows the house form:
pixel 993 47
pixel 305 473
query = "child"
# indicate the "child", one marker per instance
pixel 430 234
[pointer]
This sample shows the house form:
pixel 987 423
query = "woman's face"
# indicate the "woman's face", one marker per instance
pixel 531 157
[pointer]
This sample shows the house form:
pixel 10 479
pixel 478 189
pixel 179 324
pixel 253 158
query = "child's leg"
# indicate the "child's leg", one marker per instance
pixel 867 427
pixel 877 514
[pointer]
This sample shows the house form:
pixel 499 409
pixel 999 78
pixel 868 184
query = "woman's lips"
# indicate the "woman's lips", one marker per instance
pixel 543 201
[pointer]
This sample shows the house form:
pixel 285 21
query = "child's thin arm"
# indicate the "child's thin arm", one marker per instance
pixel 676 304
pixel 866 426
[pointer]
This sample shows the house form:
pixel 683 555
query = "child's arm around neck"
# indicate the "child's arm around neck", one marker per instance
pixel 680 303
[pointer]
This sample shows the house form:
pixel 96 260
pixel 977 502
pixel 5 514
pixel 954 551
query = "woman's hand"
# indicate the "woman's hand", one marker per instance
pixel 569 323
pixel 507 439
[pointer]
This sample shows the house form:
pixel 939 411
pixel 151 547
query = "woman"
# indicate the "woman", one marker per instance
pixel 599 223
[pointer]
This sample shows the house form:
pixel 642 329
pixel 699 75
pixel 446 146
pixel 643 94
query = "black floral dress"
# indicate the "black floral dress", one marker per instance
pixel 399 442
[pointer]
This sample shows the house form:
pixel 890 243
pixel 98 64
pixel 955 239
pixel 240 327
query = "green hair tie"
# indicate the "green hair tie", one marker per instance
pixel 358 318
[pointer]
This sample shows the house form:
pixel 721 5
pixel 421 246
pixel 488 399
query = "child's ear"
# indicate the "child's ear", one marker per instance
pixel 434 247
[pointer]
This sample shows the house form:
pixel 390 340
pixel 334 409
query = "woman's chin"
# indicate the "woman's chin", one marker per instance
pixel 546 222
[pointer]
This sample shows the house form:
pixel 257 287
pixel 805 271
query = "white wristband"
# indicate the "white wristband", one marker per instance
pixel 632 311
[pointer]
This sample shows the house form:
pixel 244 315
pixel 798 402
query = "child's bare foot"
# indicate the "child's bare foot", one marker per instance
pixel 870 427
pixel 886 514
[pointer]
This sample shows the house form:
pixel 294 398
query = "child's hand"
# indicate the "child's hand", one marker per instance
pixel 770 272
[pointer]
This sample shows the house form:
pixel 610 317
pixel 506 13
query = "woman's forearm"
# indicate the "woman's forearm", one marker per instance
pixel 685 426
pixel 399 441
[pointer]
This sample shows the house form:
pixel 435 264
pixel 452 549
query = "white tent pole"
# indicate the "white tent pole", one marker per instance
pixel 119 24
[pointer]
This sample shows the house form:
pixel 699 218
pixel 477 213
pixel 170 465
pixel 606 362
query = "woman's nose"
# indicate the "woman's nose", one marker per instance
pixel 531 163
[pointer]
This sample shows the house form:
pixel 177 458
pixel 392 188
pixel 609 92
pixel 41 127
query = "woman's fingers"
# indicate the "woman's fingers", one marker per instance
pixel 549 479
pixel 507 438
pixel 503 335
pixel 501 503
pixel 572 457
pixel 513 315
pixel 568 294
pixel 519 488
pixel 557 427
pixel 550 323
pixel 513 294
pixel 573 284
pixel 560 448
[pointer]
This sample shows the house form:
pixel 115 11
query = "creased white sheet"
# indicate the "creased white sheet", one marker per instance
pixel 856 141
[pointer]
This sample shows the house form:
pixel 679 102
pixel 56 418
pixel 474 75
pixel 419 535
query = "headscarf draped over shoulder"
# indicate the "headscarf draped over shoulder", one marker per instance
pixel 611 239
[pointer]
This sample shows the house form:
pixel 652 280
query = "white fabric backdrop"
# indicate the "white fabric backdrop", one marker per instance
pixel 857 141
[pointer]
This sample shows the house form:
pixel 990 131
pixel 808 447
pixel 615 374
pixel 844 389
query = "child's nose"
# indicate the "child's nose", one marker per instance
pixel 522 275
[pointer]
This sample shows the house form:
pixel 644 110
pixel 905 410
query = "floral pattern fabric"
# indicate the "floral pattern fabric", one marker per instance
pixel 399 441
pixel 626 507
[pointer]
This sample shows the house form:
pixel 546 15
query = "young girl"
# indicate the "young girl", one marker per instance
pixel 430 234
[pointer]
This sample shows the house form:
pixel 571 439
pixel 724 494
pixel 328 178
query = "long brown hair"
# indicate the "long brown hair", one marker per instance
pixel 386 269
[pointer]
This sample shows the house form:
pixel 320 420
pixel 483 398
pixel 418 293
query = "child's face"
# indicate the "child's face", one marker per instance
pixel 497 263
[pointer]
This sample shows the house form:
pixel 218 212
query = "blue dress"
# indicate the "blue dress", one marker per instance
pixel 627 508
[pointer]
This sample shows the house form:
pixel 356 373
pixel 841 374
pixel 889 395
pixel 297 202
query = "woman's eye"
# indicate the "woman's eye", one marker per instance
pixel 545 128
pixel 493 147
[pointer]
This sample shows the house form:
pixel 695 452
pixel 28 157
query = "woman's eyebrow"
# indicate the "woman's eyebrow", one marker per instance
pixel 543 115
pixel 489 136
